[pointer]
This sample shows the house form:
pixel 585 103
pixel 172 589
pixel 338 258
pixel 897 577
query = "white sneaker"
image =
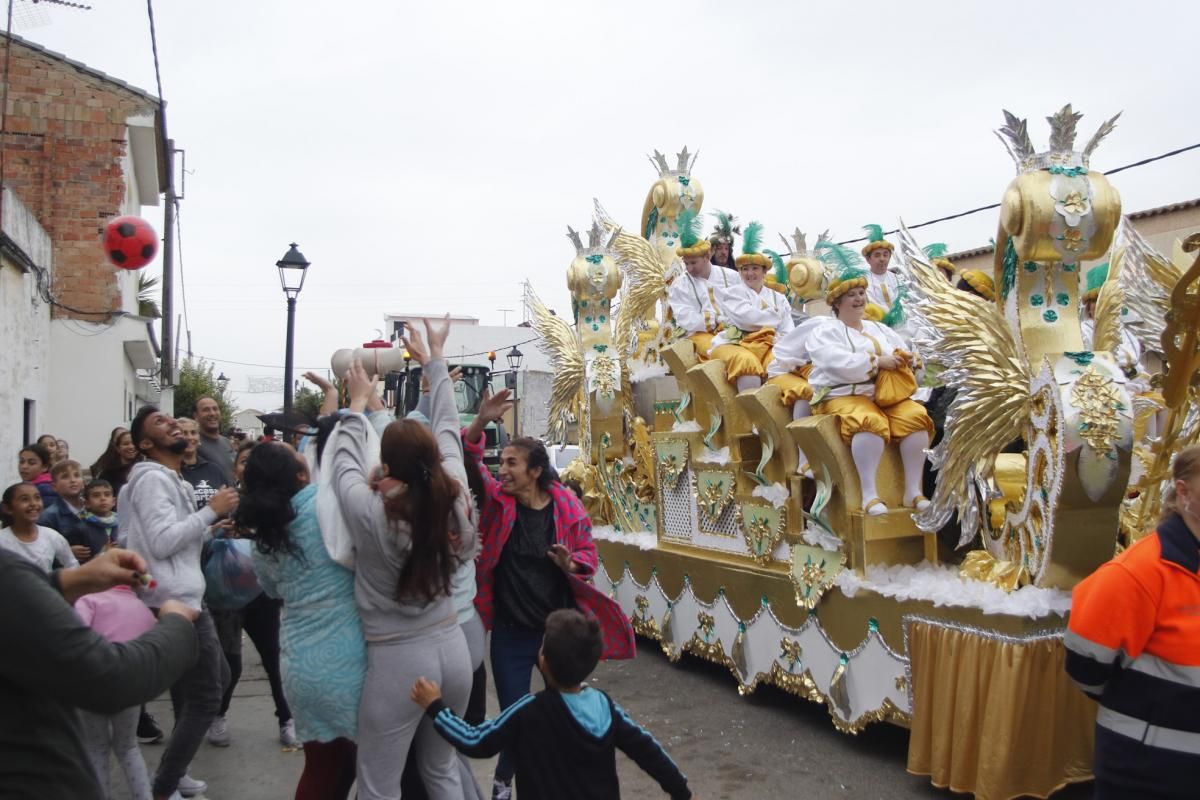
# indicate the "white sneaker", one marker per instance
pixel 218 733
pixel 190 787
pixel 287 735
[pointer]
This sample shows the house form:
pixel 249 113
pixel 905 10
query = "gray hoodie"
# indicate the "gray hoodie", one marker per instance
pixel 382 546
pixel 160 523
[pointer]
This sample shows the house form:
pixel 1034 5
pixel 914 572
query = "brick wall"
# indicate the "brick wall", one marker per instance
pixel 66 138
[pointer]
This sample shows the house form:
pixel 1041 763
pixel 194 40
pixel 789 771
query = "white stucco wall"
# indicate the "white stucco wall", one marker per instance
pixel 93 386
pixel 25 334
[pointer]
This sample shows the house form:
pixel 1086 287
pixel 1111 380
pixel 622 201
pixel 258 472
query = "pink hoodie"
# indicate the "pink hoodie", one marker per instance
pixel 118 614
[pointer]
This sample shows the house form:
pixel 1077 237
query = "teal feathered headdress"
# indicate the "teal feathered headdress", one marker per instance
pixel 725 229
pixel 752 246
pixel 691 229
pixel 779 268
pixel 875 239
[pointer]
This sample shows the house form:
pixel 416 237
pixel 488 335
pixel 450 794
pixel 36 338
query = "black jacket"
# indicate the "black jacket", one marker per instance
pixel 56 664
pixel 564 745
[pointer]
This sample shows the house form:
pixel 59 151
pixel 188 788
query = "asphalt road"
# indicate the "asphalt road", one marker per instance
pixel 768 745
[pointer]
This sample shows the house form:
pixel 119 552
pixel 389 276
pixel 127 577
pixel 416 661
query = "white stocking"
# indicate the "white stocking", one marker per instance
pixel 799 411
pixel 745 382
pixel 912 455
pixel 867 450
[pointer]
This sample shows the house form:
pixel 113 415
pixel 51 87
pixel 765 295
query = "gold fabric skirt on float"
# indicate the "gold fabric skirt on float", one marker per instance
pixel 995 715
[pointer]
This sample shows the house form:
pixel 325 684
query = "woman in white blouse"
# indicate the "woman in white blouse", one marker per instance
pixel 848 355
pixel 753 315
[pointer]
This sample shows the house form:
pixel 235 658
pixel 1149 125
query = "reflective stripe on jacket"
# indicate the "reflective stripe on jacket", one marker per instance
pixel 1133 644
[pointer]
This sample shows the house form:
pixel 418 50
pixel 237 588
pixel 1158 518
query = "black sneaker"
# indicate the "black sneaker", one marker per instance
pixel 148 731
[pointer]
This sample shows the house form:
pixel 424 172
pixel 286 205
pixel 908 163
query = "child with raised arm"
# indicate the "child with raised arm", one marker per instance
pixel 564 739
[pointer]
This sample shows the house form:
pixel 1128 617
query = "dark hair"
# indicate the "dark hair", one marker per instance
pixel 58 469
pixel 39 451
pixel 964 286
pixel 411 455
pixel 136 428
pixel 572 646
pixel 575 487
pixel 6 519
pixel 47 436
pixel 271 478
pixel 94 484
pixel 536 456
pixel 111 457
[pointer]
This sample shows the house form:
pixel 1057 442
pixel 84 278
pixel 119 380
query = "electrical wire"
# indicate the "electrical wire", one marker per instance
pixel 1143 162
pixel 447 356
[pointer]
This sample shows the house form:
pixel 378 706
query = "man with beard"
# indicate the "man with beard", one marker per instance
pixel 721 241
pixel 161 523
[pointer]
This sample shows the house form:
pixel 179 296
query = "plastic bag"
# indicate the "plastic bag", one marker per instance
pixel 229 575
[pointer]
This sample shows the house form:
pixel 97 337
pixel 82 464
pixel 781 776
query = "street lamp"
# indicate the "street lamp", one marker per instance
pixel 514 358
pixel 222 382
pixel 292 269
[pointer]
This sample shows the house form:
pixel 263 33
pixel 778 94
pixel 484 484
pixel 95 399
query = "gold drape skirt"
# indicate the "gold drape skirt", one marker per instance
pixel 995 716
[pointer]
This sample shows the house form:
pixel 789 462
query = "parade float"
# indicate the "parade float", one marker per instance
pixel 716 546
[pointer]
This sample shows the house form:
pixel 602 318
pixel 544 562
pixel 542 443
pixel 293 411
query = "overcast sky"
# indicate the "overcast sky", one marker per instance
pixel 429 156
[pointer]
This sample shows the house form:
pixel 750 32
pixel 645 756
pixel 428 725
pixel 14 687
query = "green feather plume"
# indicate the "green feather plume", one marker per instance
pixel 691 228
pixel 935 250
pixel 837 256
pixel 874 232
pixel 850 273
pixel 752 239
pixel 894 315
pixel 781 271
pixel 726 227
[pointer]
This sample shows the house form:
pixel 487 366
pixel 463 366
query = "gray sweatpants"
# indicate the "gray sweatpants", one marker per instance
pixel 196 698
pixel 388 719
pixel 116 735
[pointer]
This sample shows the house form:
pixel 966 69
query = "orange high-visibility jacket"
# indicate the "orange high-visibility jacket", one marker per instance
pixel 1133 644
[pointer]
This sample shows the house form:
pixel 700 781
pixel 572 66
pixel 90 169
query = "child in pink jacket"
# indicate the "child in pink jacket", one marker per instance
pixel 118 615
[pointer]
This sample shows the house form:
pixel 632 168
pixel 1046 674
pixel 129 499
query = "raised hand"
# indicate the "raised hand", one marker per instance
pixel 437 336
pixel 495 406
pixel 414 343
pixel 359 385
pixel 319 380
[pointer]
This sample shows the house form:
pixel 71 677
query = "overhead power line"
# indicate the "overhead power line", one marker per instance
pixel 968 213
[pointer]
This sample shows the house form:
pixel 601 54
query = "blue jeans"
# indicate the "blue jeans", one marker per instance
pixel 514 657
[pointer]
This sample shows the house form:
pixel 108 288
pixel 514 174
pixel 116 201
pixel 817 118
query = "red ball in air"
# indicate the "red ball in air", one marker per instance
pixel 130 242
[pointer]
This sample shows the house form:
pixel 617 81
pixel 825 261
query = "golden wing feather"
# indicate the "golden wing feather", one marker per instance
pixel 646 275
pixel 561 343
pixel 1106 335
pixel 991 377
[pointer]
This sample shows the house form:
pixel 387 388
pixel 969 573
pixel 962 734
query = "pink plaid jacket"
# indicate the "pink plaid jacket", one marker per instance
pixel 573 530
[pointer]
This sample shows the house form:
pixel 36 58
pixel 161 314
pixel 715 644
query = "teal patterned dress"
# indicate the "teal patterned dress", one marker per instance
pixel 323 658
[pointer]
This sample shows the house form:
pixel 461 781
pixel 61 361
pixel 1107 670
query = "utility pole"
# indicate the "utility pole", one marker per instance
pixel 168 262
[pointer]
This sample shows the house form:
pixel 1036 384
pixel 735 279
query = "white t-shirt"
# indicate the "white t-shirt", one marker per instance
pixel 42 551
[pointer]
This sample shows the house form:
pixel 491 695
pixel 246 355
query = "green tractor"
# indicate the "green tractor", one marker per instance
pixel 468 394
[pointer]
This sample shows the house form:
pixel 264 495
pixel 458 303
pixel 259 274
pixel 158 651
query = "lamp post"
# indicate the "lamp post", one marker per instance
pixel 514 357
pixel 222 382
pixel 292 269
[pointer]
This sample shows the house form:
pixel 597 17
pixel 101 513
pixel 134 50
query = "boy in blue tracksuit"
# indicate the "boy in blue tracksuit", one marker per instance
pixel 564 739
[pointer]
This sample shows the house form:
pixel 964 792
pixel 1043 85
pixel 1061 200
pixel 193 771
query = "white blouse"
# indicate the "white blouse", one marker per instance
pixel 844 359
pixel 791 352
pixel 691 301
pixel 751 311
pixel 882 290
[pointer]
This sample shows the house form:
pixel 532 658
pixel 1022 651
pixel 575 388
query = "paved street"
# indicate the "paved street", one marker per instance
pixel 765 746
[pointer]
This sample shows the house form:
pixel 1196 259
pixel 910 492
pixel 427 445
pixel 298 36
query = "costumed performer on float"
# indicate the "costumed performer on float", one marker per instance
pixel 863 375
pixel 690 295
pixel 753 315
pixel 936 252
pixel 790 369
pixel 721 240
pixel 883 284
